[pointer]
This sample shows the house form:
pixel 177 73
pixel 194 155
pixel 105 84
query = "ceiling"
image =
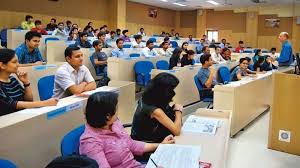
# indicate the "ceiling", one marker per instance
pixel 202 4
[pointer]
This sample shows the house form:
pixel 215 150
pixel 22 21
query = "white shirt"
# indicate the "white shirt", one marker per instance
pixel 136 45
pixel 66 76
pixel 217 58
pixel 146 52
pixel 274 56
pixel 58 32
pixel 140 33
pixel 164 53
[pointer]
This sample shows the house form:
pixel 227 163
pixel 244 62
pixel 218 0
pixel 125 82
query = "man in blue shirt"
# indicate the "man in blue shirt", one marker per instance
pixel 119 51
pixel 83 42
pixel 28 53
pixel 286 55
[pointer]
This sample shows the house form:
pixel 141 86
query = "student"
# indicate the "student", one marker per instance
pixel 155 118
pixel 68 27
pixel 286 55
pixel 190 41
pixel 258 65
pixel 101 37
pixel 199 46
pixel 175 58
pixel 241 70
pixel 28 23
pixel 269 64
pixel 163 34
pixel 52 25
pixel 90 24
pixel 226 54
pixel 188 58
pixel 206 74
pixel 95 33
pixel 100 58
pixel 223 43
pixel 217 57
pixel 172 34
pixel 141 32
pixel 112 38
pixel 28 52
pixel 125 36
pixel 206 41
pixel 119 50
pixel 273 54
pixel 137 43
pixel 83 41
pixel 89 31
pixel 205 50
pixel 118 33
pixel 257 55
pixel 184 47
pixel 148 50
pixel 73 35
pixel 39 28
pixel 73 78
pixel 176 37
pixel 240 47
pixel 212 44
pixel 105 139
pixel 60 31
pixel 164 50
pixel 15 92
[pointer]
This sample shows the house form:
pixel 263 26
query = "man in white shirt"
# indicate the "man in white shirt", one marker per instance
pixel 164 50
pixel 137 43
pixel 148 50
pixel 142 32
pixel 60 30
pixel 73 78
pixel 217 57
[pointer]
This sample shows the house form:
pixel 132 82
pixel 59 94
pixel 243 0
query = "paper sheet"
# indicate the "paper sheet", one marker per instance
pixel 201 125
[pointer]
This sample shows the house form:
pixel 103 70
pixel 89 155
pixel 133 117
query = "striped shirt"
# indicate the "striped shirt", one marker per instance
pixel 10 94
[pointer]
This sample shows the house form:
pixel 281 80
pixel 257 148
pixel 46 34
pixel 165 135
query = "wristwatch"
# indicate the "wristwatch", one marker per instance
pixel 26 85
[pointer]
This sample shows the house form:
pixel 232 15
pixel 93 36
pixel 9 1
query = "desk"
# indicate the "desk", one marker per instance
pixel 31 138
pixel 247 99
pixel 213 148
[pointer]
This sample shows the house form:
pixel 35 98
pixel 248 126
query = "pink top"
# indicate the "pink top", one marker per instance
pixel 111 149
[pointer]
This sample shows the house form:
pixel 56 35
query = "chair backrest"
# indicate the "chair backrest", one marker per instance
pixel 7 164
pixel 198 84
pixel 70 142
pixel 174 44
pixel 51 39
pixel 3 35
pixel 224 73
pixel 152 39
pixel 134 55
pixel 45 87
pixel 251 67
pixel 248 51
pixel 142 71
pixel 162 64
pixel 127 46
pixel 97 70
pixel 155 46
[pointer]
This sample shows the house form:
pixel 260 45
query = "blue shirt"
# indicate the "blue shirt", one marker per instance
pixel 222 45
pixel 120 53
pixel 199 47
pixel 203 75
pixel 286 55
pixel 83 45
pixel 27 57
pixel 233 75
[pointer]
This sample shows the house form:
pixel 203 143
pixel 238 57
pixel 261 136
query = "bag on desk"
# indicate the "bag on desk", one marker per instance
pixel 103 82
pixel 73 161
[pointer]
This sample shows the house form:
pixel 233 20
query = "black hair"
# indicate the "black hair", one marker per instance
pixel 29 35
pixel 243 59
pixel 97 117
pixel 176 53
pixel 190 52
pixel 217 47
pixel 95 30
pixel 257 51
pixel 69 50
pixel 68 22
pixel 61 23
pixel 141 28
pixel 204 35
pixel 138 36
pixel 118 40
pixel 149 42
pixel 27 17
pixel 273 49
pixel 118 30
pixel 176 34
pixel 74 24
pixel 223 39
pixel 87 27
pixel 6 55
pixel 184 44
pixel 241 42
pixel 160 91
pixel 204 48
pixel 124 32
pixel 96 42
pixel 101 33
pixel 82 34
pixel 204 58
pixel 112 32
pixel 72 30
pixel 37 22
pixel 54 20
pixel 248 59
pixel 89 23
pixel 261 60
pixel 104 26
pixel 166 38
pixel 163 43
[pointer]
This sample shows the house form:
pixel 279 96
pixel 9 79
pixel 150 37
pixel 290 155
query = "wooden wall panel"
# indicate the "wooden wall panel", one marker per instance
pixel 149 29
pixel 188 19
pixel 285 25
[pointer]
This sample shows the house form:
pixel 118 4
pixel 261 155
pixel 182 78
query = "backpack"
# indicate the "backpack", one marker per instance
pixel 103 82
pixel 73 161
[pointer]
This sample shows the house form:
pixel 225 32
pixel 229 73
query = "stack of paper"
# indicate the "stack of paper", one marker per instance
pixel 202 125
pixel 175 156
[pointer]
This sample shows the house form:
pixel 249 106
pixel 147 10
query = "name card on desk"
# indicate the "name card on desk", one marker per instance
pixel 60 111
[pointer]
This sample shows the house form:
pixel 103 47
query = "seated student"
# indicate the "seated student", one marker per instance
pixel 83 41
pixel 101 37
pixel 184 47
pixel 137 43
pixel 68 27
pixel 95 33
pixel 60 31
pixel 257 55
pixel 258 65
pixel 212 44
pixel 226 54
pixel 217 57
pixel 241 70
pixel 188 58
pixel 273 54
pixel 90 24
pixel 155 118
pixel 112 38
pixel 176 37
pixel 205 50
pixel 28 53
pixel 164 50
pixel 148 50
pixel 119 50
pixel 240 47
pixel 141 32
pixel 125 37
pixel 172 34
pixel 73 35
pixel 73 78
pixel 100 58
pixel 15 93
pixel 162 34
pixel 286 55
pixel 105 140
pixel 190 41
pixel 206 41
pixel 28 23
pixel 167 39
pixel 269 64
pixel 175 58
pixel 39 28
pixel 52 25
pixel 118 33
pixel 223 43
pixel 206 74
pixel 89 31
pixel 199 46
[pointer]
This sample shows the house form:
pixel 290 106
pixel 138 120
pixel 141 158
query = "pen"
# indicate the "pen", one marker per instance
pixel 153 162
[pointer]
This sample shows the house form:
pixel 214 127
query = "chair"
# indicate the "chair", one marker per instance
pixel 127 46
pixel 142 72
pixel 248 51
pixel 134 55
pixel 155 46
pixel 251 67
pixel 7 164
pixel 51 39
pixel 202 91
pixel 97 70
pixel 152 39
pixel 3 37
pixel 224 73
pixel 174 44
pixel 45 87
pixel 162 64
pixel 70 142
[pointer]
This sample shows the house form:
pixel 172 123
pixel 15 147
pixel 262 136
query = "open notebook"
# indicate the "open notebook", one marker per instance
pixel 175 156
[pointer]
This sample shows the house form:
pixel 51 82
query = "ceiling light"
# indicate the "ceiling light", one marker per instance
pixel 213 2
pixel 164 0
pixel 179 4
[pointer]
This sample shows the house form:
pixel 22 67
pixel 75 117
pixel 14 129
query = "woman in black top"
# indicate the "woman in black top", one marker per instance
pixel 188 59
pixel 14 96
pixel 154 118
pixel 184 47
pixel 258 66
pixel 175 58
